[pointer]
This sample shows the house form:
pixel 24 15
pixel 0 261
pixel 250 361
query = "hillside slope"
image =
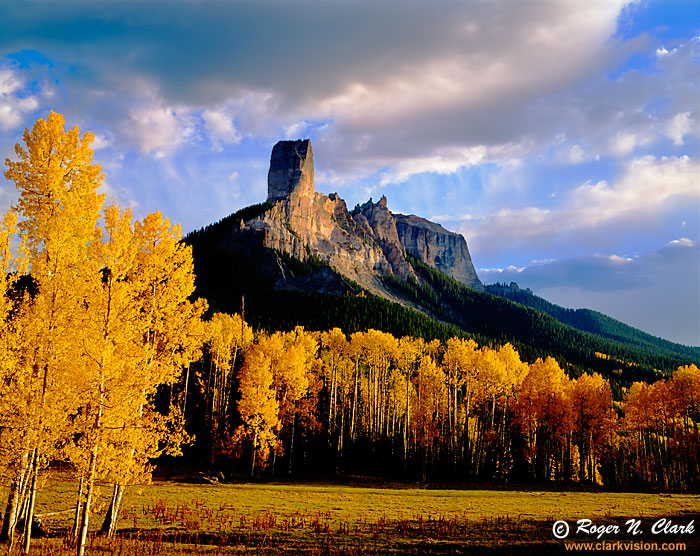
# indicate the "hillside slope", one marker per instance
pixel 278 291
pixel 304 258
pixel 595 322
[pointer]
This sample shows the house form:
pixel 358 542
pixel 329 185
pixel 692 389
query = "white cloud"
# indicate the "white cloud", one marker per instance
pixel 618 260
pixel 9 82
pixel 576 155
pixel 14 106
pixel 509 269
pixel 444 161
pixel 158 129
pixel 647 188
pixel 101 142
pixel 679 126
pixel 219 123
pixel 295 130
pixel 626 142
pixel 682 242
pixel 256 112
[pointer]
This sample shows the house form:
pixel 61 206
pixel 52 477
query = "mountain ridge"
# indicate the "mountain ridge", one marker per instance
pixel 363 244
pixel 587 320
pixel 300 243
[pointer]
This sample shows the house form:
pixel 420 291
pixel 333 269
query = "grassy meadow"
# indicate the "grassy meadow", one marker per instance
pixel 169 517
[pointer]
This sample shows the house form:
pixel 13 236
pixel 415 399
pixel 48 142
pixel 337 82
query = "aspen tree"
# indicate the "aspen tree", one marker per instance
pixel 638 411
pixel 591 406
pixel 227 336
pixel 684 388
pixel 380 350
pixel 230 334
pixel 58 208
pixel 356 348
pixel 334 349
pixel 14 376
pixel 258 406
pixel 167 335
pixel 410 351
pixel 544 413
pixel 460 363
pixel 108 323
pixel 109 338
pixel 291 355
pixel 514 371
pixel 430 407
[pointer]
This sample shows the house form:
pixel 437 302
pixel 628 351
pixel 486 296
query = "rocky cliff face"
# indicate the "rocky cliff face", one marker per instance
pixel 437 247
pixel 363 244
pixel 379 224
pixel 304 222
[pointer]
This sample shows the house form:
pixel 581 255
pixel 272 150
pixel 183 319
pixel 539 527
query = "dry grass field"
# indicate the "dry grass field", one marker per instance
pixel 170 517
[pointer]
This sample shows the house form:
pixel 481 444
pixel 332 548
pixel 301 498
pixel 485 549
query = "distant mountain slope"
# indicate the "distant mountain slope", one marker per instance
pixel 505 320
pixel 303 258
pixel 281 291
pixel 588 320
pixel 277 291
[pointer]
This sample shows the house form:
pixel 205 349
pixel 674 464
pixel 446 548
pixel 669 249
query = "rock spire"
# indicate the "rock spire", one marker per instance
pixel 291 170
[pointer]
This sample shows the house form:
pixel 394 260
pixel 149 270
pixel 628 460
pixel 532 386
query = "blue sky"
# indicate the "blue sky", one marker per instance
pixel 560 137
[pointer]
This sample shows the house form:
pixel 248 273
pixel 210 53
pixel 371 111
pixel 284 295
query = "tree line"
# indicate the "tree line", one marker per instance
pixel 405 408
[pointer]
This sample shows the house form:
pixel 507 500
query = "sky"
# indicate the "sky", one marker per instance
pixel 560 137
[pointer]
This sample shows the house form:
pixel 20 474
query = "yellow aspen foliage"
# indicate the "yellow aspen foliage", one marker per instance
pixel 685 390
pixel 172 328
pixel 543 412
pixel 638 407
pixel 430 405
pixel 258 406
pixel 593 419
pixel 514 369
pixel 460 362
pixel 58 208
pixel 661 400
pixel 58 201
pixel 290 354
pixel 491 377
pixel 228 336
